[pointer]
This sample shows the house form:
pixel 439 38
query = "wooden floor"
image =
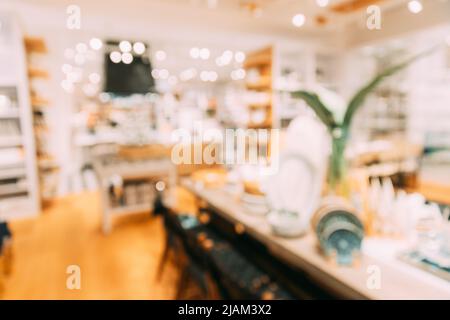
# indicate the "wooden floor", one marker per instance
pixel 121 265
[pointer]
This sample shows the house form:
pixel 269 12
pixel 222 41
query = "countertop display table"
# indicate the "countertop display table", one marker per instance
pixel 379 274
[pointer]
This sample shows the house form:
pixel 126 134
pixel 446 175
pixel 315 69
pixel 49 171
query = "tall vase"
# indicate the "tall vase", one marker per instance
pixel 337 178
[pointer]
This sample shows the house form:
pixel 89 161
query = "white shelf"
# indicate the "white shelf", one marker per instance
pixel 12 189
pixel 11 165
pixel 22 198
pixel 10 114
pixel 13 141
pixel 12 173
pixel 16 208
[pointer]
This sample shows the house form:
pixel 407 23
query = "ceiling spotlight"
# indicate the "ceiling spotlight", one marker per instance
pixel 322 3
pixel 115 56
pixel 238 74
pixel 160 55
pixel 219 62
pixel 195 53
pixel 204 53
pixel 125 46
pixel 226 57
pixel 415 6
pixel 95 44
pixel 298 20
pixel 127 58
pixel 163 73
pixel 94 78
pixel 188 74
pixel 155 74
pixel 204 76
pixel 239 57
pixel 213 76
pixel 139 47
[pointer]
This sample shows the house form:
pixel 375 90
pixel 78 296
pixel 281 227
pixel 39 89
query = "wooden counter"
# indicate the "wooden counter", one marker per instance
pixel 397 279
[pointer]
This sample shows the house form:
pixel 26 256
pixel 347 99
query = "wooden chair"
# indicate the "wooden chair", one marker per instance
pixel 195 279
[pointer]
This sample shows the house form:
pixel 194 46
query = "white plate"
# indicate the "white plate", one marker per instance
pixel 296 187
pixel 253 199
pixel 255 204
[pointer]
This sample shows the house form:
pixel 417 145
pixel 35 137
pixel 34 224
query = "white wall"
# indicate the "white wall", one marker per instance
pixel 159 25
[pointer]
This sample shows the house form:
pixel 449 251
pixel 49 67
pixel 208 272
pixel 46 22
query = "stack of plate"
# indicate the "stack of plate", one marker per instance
pixel 338 229
pixel 254 199
pixel 255 204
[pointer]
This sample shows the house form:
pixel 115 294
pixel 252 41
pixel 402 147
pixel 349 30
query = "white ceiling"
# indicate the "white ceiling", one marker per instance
pixel 177 25
pixel 275 15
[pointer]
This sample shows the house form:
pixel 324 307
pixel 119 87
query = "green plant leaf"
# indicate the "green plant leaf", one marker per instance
pixel 358 99
pixel 318 107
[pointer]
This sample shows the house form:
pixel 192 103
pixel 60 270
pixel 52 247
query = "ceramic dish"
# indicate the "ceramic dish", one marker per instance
pixel 255 204
pixel 286 224
pixel 296 188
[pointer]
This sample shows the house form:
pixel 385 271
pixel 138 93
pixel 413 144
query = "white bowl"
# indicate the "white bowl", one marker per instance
pixel 286 226
pixel 254 204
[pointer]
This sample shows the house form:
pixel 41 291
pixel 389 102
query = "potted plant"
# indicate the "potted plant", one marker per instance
pixel 339 128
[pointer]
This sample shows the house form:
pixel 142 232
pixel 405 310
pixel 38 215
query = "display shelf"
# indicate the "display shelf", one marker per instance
pixel 10 114
pixel 18 170
pixel 259 59
pixel 261 85
pixel 46 164
pixel 15 207
pixel 260 62
pixel 39 102
pixel 12 173
pixel 35 44
pixel 10 141
pixel 12 189
pixel 37 73
pixel 259 105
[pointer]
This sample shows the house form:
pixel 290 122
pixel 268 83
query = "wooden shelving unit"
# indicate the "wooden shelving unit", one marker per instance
pixel 47 167
pixel 35 44
pixel 19 187
pixel 37 73
pixel 260 61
